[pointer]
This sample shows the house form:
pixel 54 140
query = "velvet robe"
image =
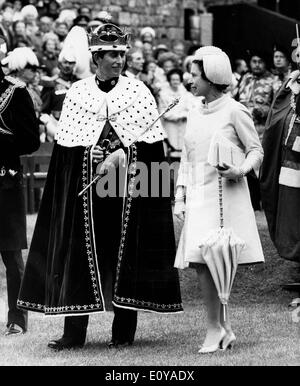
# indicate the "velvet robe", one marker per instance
pixel 78 241
pixel 281 203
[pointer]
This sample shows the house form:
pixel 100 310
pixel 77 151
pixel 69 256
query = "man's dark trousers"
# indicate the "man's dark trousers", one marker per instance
pixel 123 327
pixel 14 265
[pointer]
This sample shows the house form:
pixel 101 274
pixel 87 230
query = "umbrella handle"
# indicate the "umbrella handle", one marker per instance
pixel 224 306
pixel 221 201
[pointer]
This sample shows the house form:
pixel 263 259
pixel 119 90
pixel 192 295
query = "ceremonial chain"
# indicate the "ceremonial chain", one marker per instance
pixel 293 102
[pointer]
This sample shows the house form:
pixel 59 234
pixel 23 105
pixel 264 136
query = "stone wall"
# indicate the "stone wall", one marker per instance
pixel 211 3
pixel 167 17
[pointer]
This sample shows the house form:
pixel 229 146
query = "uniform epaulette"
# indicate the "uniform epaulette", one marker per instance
pixel 16 82
pixel 7 94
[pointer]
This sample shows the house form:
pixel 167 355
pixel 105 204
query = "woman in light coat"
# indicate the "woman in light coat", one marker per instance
pixel 197 195
pixel 174 121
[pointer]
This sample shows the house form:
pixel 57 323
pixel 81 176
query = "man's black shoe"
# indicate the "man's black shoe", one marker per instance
pixel 64 344
pixel 118 344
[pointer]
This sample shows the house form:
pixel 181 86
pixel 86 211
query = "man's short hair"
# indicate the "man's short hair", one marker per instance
pixel 131 52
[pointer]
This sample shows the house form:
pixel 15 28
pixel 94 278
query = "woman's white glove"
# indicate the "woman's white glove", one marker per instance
pixel 179 208
pixel 45 118
pixel 51 125
pixel 231 172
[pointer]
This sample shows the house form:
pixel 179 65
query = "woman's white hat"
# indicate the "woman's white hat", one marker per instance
pixel 216 64
pixel 29 10
pixel 148 30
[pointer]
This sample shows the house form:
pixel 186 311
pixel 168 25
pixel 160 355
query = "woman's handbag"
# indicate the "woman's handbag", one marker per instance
pixel 223 151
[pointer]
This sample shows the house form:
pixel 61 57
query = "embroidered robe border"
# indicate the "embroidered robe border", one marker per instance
pixel 122 302
pixel 99 305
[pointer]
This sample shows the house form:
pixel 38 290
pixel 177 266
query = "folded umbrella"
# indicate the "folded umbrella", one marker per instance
pixel 221 249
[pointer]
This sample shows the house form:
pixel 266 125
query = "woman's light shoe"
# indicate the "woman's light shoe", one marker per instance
pixel 228 341
pixel 213 347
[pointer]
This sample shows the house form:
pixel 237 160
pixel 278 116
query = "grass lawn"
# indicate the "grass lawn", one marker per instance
pixel 265 332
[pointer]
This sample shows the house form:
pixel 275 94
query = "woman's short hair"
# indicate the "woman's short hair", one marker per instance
pixel 175 71
pixel 219 87
pixel 15 23
pixel 168 56
pixel 52 38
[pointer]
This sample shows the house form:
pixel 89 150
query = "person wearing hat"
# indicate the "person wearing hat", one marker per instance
pixel 280 177
pixel 102 245
pixel 256 90
pixel 147 35
pixel 54 92
pixel 67 16
pixel 84 10
pixel 19 134
pixel 22 64
pixel 225 123
pixel 73 64
pixel 82 21
pixel 256 93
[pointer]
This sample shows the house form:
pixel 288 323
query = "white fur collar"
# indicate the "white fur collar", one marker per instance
pixel 130 106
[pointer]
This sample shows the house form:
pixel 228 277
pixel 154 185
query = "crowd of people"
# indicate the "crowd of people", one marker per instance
pixel 56 62
pixel 92 90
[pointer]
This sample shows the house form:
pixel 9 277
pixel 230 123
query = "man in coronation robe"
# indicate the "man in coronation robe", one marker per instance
pixel 91 250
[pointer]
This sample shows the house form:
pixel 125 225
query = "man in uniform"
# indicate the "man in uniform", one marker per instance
pixel 92 250
pixel 54 93
pixel 280 171
pixel 256 93
pixel 19 134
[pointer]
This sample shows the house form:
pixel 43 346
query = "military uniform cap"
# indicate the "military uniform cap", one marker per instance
pixel 81 19
pixel 108 37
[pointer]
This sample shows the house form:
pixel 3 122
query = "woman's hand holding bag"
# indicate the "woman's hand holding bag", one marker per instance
pixel 179 208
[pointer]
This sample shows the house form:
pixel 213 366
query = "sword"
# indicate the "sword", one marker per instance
pixel 170 107
pixel 6 132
